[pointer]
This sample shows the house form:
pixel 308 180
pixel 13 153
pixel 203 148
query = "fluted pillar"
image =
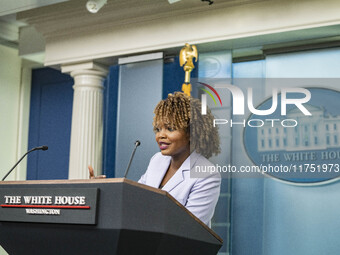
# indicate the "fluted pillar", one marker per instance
pixel 87 119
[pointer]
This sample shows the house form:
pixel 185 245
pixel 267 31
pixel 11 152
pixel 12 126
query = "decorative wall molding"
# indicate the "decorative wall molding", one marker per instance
pixel 115 13
pixel 130 27
pixel 8 31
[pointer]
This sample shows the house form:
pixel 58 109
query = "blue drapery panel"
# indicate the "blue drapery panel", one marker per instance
pixel 50 124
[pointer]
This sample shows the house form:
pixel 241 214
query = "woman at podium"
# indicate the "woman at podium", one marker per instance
pixel 186 138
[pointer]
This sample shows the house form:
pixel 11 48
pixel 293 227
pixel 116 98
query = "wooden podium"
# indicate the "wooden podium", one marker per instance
pixel 101 216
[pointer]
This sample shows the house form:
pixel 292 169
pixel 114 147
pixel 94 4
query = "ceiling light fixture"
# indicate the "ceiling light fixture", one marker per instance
pixel 94 6
pixel 173 1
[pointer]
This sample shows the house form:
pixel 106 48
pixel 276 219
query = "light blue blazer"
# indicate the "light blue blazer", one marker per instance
pixel 198 195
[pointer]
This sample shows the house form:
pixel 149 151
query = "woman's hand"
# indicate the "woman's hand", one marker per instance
pixel 92 176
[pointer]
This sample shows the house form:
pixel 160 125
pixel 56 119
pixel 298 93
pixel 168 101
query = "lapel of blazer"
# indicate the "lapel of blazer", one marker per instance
pixel 158 174
pixel 178 177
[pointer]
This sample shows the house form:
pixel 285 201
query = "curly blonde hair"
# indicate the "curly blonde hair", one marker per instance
pixel 180 111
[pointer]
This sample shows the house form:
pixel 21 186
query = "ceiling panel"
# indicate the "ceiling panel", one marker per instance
pixel 14 6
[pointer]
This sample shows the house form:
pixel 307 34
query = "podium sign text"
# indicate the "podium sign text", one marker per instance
pixel 49 205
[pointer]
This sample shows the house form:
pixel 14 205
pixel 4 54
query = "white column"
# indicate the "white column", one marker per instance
pixel 87 119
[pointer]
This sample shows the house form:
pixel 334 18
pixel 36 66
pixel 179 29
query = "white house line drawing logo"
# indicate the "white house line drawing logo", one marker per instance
pixel 320 131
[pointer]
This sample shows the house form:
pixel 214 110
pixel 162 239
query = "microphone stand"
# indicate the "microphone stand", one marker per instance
pixel 137 143
pixel 34 149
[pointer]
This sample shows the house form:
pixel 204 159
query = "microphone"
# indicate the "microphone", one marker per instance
pixel 44 148
pixel 137 143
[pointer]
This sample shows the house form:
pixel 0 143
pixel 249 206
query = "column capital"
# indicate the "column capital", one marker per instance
pixel 86 75
pixel 88 67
